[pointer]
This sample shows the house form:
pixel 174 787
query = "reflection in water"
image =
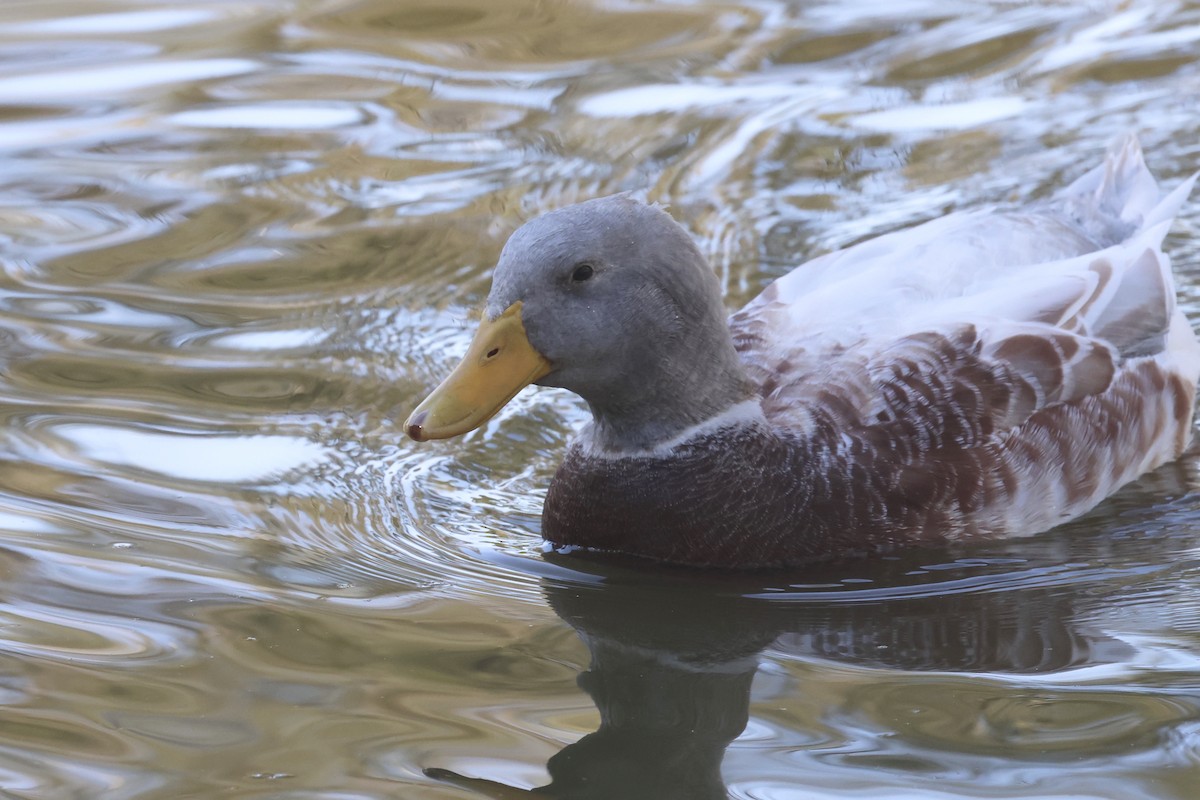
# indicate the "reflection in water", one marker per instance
pixel 673 659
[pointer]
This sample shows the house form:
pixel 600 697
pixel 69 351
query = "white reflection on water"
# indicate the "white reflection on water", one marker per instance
pixel 715 98
pixel 948 116
pixel 259 341
pixel 117 23
pixel 193 457
pixel 86 83
pixel 292 116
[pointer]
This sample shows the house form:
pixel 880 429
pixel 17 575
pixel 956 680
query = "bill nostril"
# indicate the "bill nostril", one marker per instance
pixel 414 426
pixel 495 351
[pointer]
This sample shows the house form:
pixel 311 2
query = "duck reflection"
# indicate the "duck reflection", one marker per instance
pixel 673 657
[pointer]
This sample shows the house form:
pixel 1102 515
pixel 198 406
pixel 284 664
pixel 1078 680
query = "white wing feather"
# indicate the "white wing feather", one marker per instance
pixel 1045 343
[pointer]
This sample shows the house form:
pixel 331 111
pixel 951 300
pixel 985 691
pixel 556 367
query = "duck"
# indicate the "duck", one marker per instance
pixel 988 373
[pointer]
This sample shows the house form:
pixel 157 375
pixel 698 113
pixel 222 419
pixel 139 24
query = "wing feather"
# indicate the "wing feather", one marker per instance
pixel 997 372
pixel 935 331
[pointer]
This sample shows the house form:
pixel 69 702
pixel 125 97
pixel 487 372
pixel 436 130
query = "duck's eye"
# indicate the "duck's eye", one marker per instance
pixel 582 272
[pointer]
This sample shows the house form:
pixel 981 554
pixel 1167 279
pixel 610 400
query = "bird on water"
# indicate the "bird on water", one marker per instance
pixel 988 373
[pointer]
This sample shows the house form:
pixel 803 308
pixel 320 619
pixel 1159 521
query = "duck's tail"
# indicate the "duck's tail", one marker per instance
pixel 1120 198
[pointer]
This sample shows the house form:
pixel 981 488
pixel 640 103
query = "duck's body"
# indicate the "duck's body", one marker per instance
pixel 984 374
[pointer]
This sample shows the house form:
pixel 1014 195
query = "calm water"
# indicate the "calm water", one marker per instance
pixel 239 239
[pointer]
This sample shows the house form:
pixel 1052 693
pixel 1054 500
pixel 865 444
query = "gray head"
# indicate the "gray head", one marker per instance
pixel 617 298
pixel 612 300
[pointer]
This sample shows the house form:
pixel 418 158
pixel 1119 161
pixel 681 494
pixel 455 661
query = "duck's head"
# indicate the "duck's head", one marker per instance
pixel 612 300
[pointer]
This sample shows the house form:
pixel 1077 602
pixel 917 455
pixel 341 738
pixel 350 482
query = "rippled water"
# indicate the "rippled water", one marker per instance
pixel 240 238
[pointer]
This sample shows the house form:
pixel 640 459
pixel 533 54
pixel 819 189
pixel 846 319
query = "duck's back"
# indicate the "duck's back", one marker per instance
pixel 1011 369
pixel 980 375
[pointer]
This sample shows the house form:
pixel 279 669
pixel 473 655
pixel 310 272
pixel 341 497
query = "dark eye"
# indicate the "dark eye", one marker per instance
pixel 582 272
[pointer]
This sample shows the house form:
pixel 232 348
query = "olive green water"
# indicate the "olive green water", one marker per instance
pixel 240 239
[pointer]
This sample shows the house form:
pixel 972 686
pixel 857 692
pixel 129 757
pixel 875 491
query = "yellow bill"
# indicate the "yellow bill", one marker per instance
pixel 499 363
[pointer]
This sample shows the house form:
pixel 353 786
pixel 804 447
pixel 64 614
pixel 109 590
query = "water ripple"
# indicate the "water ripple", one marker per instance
pixel 239 241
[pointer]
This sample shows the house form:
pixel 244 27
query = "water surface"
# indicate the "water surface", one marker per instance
pixel 239 240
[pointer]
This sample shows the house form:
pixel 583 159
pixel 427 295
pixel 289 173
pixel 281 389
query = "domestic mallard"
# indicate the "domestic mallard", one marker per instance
pixel 984 374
